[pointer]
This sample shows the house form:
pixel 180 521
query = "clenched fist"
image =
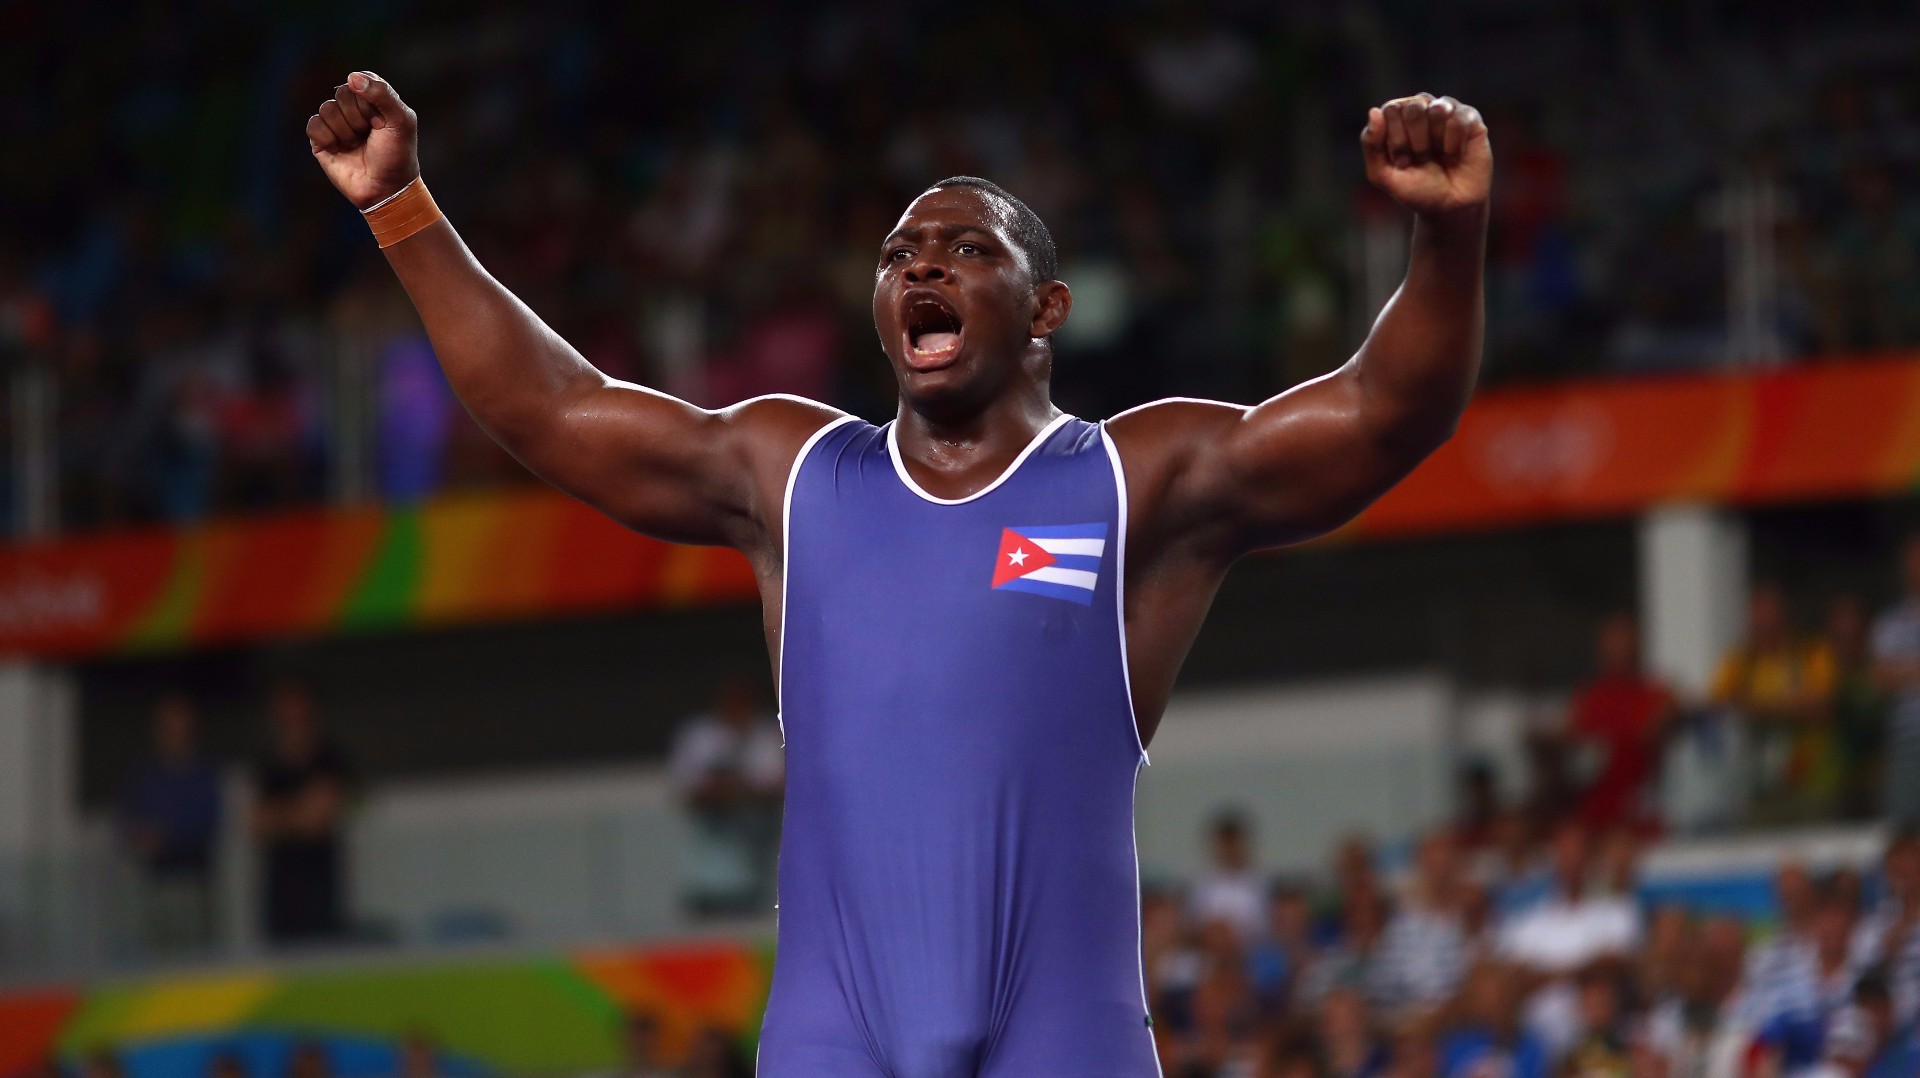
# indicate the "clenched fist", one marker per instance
pixel 366 139
pixel 1431 154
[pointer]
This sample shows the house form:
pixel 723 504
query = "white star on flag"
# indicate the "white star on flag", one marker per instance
pixel 1018 557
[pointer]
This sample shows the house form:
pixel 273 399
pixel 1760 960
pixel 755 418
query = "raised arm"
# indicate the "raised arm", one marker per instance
pixel 1233 479
pixel 651 461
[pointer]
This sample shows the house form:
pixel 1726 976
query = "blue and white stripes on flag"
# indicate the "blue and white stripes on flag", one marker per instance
pixel 1060 561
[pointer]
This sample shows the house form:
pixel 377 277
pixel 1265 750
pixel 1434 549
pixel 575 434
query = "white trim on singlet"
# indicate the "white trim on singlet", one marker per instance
pixel 786 538
pixel 1140 932
pixel 1120 583
pixel 1126 676
pixel 900 465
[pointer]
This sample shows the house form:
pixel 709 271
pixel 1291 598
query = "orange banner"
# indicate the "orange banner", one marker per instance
pixel 1597 449
pixel 1572 451
pixel 495 557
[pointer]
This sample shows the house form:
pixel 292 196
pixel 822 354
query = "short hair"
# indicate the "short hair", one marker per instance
pixel 1289 888
pixel 1229 823
pixel 1873 986
pixel 1029 231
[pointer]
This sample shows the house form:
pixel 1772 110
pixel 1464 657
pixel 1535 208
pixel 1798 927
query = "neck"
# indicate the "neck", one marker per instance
pixel 958 442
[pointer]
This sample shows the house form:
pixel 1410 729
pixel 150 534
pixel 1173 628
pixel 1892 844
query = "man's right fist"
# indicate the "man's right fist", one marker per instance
pixel 366 139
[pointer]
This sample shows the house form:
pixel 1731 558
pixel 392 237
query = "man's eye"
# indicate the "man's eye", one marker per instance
pixel 897 254
pixel 968 248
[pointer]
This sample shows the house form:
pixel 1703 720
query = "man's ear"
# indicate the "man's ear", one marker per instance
pixel 1052 301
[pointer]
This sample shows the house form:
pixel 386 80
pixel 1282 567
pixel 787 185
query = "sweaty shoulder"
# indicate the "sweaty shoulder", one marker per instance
pixel 1159 444
pixel 768 433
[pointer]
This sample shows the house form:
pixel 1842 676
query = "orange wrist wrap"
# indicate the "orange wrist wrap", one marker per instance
pixel 402 213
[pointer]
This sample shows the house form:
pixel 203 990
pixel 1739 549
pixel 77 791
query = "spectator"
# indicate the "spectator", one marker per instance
pixel 644 1058
pixel 1219 1038
pixel 1604 1047
pixel 715 1055
pixel 1659 969
pixel 1781 686
pixel 1512 869
pixel 299 813
pixel 1476 921
pixel 1277 960
pixel 1890 934
pixel 1819 986
pixel 1415 1052
pixel 730 768
pixel 1357 961
pixel 1622 714
pixel 1709 1028
pixel 1488 1038
pixel 1853 781
pixel 1425 949
pixel 1171 961
pixel 1232 891
pixel 1552 792
pixel 1896 664
pixel 1793 939
pixel 1350 1040
pixel 171 818
pixel 1576 924
pixel 1478 794
pixel 1294 1053
pixel 1620 864
pixel 1356 873
pixel 1867 1041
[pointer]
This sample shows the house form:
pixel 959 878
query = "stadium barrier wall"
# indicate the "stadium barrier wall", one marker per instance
pixel 541 1014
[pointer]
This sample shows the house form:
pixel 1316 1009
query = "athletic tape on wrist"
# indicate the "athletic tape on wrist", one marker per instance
pixel 402 213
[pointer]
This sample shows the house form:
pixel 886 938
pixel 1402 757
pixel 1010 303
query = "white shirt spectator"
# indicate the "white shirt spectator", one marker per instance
pixel 1238 898
pixel 706 745
pixel 1718 1051
pixel 1877 940
pixel 1558 936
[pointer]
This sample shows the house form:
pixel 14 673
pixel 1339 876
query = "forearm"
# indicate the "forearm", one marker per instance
pixel 509 369
pixel 1419 364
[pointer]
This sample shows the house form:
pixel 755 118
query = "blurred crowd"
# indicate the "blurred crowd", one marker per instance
pixel 1807 720
pixel 1518 941
pixel 692 200
pixel 1529 960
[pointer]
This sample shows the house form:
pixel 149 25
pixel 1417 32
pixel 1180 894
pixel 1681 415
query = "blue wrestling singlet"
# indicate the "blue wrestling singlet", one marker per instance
pixel 959 895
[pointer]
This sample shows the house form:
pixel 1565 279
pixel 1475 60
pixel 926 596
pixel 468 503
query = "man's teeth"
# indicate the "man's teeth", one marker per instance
pixel 934 343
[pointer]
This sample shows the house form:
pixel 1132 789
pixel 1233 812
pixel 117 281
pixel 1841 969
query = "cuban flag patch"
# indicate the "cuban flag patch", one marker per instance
pixel 1060 561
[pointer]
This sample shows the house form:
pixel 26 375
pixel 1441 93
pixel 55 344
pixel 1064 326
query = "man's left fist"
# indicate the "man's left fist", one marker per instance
pixel 1430 153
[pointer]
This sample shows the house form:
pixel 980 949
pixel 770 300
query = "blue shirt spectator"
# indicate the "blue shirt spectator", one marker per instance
pixel 171 814
pixel 1478 1052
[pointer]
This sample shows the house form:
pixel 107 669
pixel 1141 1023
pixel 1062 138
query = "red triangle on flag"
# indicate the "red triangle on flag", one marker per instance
pixel 1018 556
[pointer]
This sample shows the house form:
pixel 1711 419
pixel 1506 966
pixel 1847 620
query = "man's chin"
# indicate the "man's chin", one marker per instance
pixel 940 387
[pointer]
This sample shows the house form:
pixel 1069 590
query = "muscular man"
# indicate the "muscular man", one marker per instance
pixel 976 611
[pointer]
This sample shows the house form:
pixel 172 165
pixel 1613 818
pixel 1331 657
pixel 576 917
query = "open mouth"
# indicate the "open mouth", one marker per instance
pixel 932 331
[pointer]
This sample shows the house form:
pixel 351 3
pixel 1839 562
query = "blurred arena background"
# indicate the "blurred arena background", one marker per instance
pixel 331 744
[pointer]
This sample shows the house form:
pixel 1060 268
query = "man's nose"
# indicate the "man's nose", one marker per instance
pixel 924 267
